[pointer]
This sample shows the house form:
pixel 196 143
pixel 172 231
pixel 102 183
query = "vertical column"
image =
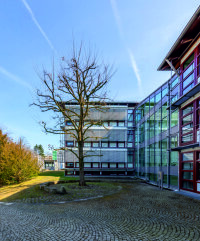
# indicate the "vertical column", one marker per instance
pixel 169 133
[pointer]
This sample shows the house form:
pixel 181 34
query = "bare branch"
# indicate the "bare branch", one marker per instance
pixel 74 92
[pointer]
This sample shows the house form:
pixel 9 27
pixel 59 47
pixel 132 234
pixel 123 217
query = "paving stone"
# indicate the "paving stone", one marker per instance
pixel 137 212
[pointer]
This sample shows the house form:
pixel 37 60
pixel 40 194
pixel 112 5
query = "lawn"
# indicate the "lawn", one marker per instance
pixel 10 190
pixel 74 192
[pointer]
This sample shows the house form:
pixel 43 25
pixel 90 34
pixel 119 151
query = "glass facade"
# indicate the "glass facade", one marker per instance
pixel 155 134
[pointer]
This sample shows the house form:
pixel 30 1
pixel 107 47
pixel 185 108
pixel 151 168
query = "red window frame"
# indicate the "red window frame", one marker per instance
pixel 183 125
pixel 182 171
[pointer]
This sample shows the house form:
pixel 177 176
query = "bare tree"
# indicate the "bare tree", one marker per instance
pixel 80 82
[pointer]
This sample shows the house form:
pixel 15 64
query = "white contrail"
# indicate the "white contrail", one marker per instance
pixel 134 66
pixel 117 18
pixel 130 53
pixel 15 78
pixel 38 25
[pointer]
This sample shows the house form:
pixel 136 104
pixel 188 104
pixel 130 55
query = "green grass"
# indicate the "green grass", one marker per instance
pixel 73 189
pixel 52 173
pixel 60 174
pixel 32 192
pixel 28 186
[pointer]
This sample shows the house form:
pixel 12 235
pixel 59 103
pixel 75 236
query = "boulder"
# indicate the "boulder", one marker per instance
pixel 63 190
pixel 50 183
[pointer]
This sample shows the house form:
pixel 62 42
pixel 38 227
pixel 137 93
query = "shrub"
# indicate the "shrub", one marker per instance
pixel 17 162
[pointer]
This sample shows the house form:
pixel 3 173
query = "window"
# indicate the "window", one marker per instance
pixel 174 98
pixel 188 61
pixel 130 165
pixel 112 165
pixel 187 124
pixel 164 92
pixel 69 164
pixel 188 88
pixel 188 156
pixel 121 144
pixel 95 144
pixel 77 164
pixel 121 123
pixel 69 143
pixel 187 138
pixel 187 166
pixel 158 97
pixel 130 144
pixel 187 175
pixel 104 144
pixel 187 170
pixel 87 144
pixel 68 123
pixel 130 115
pixel 187 128
pixel 130 136
pixel 152 102
pixel 188 70
pixel 187 185
pixel 174 141
pixel 95 165
pixel 188 109
pixel 164 110
pixel 188 80
pixel 130 111
pixel 113 144
pixel 105 123
pixel 130 124
pixel 104 165
pixel 113 123
pixel 187 119
pixel 188 74
pixel 70 172
pixel 120 165
pixel 130 157
pixel 174 83
pixel 87 164
pixel 174 118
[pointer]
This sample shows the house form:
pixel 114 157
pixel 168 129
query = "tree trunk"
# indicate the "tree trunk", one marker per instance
pixel 81 165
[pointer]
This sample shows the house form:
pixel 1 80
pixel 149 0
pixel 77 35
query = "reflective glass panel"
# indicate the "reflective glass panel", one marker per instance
pixel 187 138
pixel 188 109
pixel 187 185
pixel 187 119
pixel 188 175
pixel 188 156
pixel 188 61
pixel 188 166
pixel 188 80
pixel 188 70
pixel 187 128
pixel 188 88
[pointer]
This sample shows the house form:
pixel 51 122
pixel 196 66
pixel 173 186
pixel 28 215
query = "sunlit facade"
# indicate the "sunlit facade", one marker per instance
pixel 165 128
pixel 110 147
pixel 167 134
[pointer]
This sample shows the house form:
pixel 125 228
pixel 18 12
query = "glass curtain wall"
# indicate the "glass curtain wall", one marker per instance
pixel 156 133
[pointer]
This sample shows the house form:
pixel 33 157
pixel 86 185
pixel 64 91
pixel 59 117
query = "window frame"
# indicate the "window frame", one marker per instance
pixel 188 123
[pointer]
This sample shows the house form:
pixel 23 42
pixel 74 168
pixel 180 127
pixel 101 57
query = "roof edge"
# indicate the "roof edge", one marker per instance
pixel 188 25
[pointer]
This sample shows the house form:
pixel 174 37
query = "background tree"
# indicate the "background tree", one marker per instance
pixel 39 150
pixel 80 82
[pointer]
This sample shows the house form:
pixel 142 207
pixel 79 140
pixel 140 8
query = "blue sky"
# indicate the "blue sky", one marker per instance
pixel 134 35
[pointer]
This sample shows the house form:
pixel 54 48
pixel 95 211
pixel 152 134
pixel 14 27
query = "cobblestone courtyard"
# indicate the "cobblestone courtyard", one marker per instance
pixel 137 212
